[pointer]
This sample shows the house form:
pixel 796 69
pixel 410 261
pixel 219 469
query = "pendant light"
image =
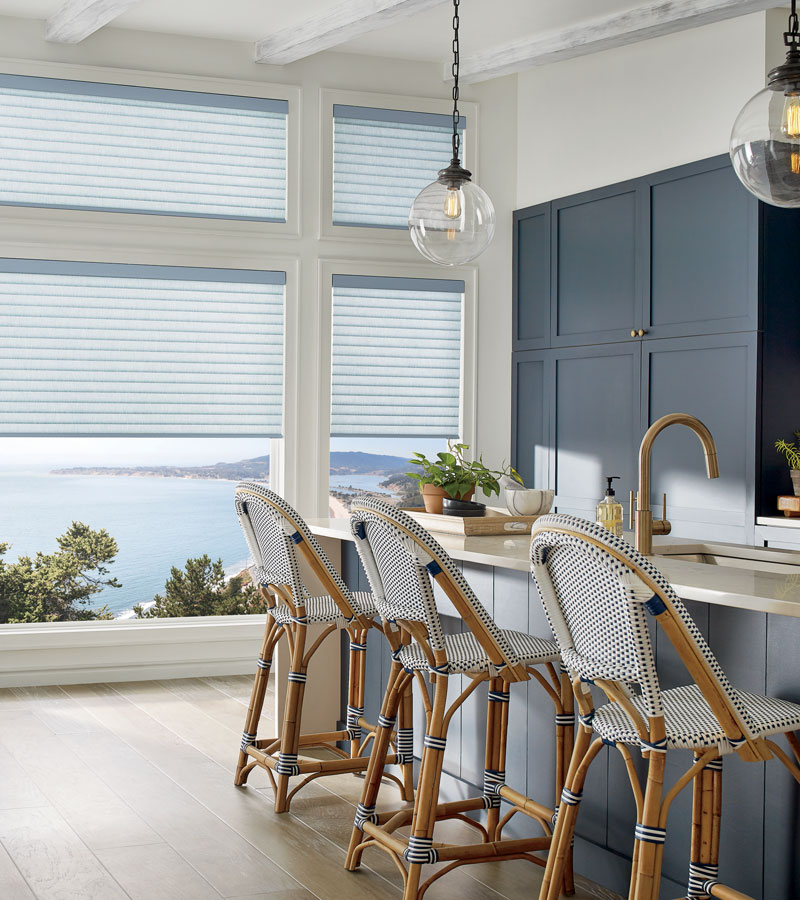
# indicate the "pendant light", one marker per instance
pixel 765 141
pixel 452 220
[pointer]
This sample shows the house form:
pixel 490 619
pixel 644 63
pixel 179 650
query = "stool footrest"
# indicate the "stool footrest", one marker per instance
pixel 524 804
pixel 723 892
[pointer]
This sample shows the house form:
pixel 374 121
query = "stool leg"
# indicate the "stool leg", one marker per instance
pixel 271 634
pixel 355 688
pixel 495 758
pixel 565 738
pixel 290 731
pixel 377 760
pixel 647 880
pixel 419 850
pixel 406 721
pixel 706 820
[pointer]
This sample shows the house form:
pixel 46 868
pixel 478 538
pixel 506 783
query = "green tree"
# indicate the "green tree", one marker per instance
pixel 201 589
pixel 59 586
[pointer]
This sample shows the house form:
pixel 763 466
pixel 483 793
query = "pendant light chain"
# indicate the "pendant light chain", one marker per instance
pixel 792 37
pixel 456 114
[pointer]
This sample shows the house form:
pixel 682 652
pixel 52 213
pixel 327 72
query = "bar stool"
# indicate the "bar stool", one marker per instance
pixel 274 533
pixel 400 559
pixel 597 592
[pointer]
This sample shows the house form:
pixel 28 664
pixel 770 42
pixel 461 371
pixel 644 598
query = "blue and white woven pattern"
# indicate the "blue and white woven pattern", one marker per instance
pixel 405 746
pixel 396 565
pixel 699 875
pixel 268 522
pixel 596 607
pixel 421 850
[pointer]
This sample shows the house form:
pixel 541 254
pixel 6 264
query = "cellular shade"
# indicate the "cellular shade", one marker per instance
pixel 396 358
pixel 93 349
pixel 382 158
pixel 83 145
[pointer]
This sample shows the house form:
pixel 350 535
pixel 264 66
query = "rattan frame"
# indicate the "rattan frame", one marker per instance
pixel 272 753
pixel 380 830
pixel 653 803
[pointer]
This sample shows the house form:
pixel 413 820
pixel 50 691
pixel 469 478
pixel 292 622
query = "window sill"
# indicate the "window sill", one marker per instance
pixel 128 649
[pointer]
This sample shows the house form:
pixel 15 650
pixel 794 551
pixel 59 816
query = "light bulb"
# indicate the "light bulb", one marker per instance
pixel 452 203
pixel 790 123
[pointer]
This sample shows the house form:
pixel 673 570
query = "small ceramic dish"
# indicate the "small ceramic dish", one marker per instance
pixel 529 501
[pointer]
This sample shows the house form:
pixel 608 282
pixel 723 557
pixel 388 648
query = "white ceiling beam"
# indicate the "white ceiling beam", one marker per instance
pixel 77 19
pixel 329 29
pixel 650 20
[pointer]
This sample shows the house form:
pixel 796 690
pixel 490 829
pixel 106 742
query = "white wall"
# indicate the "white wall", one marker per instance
pixel 599 119
pixel 105 236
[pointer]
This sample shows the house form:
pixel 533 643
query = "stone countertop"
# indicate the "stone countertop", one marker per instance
pixel 743 586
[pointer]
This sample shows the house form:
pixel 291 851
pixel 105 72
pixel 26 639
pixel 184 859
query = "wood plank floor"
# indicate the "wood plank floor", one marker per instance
pixel 124 792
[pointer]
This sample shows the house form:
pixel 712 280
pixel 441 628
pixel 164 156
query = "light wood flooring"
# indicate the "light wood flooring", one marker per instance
pixel 125 792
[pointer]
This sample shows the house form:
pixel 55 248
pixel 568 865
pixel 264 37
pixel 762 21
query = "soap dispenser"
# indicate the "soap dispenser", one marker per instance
pixel 609 510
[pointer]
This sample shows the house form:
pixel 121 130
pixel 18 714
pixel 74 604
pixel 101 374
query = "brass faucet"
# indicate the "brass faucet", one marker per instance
pixel 645 526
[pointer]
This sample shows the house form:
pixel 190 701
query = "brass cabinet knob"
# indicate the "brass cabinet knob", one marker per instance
pixel 633 332
pixel 642 332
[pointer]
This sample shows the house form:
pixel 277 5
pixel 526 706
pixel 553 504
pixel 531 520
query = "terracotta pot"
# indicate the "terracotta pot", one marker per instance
pixel 795 473
pixel 432 497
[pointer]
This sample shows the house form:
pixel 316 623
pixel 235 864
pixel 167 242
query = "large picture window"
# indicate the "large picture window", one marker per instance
pixel 85 145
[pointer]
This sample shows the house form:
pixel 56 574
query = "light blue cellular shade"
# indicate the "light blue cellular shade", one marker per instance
pixel 95 349
pixel 396 357
pixel 382 158
pixel 81 145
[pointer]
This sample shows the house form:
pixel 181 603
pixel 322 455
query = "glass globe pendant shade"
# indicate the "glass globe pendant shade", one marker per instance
pixel 765 140
pixel 452 220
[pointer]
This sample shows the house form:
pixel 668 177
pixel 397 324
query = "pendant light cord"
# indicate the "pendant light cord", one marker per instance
pixel 456 115
pixel 792 37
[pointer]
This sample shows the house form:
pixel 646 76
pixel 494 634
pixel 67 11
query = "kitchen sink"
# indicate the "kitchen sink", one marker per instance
pixel 760 559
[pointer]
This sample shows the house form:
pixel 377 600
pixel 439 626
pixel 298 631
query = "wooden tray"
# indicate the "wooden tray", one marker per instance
pixel 790 505
pixel 494 522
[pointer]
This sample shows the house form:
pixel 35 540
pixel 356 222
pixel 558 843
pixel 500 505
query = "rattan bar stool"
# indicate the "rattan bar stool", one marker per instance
pixel 598 593
pixel 275 532
pixel 400 559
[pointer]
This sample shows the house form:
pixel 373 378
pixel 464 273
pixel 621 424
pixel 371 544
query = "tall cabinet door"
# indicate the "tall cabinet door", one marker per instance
pixel 594 423
pixel 714 379
pixel 530 418
pixel 596 266
pixel 531 277
pixel 703 261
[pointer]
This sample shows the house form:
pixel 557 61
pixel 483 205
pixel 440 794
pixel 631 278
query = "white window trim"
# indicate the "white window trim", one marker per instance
pixel 327 99
pixel 467 415
pixel 291 228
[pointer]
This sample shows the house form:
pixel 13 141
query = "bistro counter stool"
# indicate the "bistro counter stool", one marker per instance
pixel 598 593
pixel 400 559
pixel 274 533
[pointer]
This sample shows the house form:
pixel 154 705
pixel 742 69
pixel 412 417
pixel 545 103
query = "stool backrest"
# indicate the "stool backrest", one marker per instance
pixel 598 593
pixel 402 560
pixel 274 532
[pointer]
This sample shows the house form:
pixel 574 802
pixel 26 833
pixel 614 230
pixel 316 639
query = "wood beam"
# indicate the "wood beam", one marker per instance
pixel 329 29
pixel 650 20
pixel 77 19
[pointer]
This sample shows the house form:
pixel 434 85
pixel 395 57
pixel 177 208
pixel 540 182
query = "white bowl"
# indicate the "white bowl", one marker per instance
pixel 529 502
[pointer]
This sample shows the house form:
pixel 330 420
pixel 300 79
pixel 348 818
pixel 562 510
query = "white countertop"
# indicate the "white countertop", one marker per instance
pixel 742 587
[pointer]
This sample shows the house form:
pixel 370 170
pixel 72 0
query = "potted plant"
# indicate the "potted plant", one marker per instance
pixel 792 454
pixel 450 474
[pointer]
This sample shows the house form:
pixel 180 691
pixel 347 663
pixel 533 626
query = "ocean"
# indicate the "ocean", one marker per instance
pixel 157 523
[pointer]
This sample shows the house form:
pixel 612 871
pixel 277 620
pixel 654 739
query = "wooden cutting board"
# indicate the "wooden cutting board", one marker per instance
pixel 493 523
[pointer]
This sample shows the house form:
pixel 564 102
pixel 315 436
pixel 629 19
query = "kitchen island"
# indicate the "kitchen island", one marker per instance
pixel 746 602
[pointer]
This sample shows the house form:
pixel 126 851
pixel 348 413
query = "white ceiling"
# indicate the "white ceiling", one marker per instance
pixel 484 23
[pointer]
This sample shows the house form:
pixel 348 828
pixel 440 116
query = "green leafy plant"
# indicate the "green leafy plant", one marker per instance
pixel 456 475
pixel 790 450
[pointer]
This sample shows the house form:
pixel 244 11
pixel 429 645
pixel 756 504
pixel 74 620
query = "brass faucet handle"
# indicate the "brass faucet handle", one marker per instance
pixel 662 525
pixel 631 501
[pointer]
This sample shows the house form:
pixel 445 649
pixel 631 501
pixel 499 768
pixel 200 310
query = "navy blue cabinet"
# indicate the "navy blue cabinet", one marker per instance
pixel 531 278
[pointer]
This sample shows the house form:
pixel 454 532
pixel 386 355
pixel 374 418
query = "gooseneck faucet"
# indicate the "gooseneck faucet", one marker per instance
pixel 645 526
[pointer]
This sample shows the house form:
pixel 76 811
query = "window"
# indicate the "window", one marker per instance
pixel 90 348
pixel 382 158
pixel 82 145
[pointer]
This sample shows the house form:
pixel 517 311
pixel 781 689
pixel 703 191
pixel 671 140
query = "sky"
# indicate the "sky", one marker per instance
pixel 21 454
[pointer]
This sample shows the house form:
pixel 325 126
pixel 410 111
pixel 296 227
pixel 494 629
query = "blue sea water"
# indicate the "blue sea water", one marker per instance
pixel 157 523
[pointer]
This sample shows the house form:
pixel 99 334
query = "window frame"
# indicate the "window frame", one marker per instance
pixel 371 233
pixel 329 267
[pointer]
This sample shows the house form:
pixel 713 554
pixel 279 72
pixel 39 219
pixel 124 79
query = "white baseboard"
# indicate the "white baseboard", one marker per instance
pixel 128 650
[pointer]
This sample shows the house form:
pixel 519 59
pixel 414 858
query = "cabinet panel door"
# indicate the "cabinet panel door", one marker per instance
pixel 703 275
pixel 531 277
pixel 595 266
pixel 530 423
pixel 595 421
pixel 712 378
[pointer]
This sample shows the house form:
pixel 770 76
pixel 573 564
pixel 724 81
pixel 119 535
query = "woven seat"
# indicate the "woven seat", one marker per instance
pixel 689 722
pixel 325 609
pixel 402 562
pixel 466 656
pixel 279 542
pixel 598 594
